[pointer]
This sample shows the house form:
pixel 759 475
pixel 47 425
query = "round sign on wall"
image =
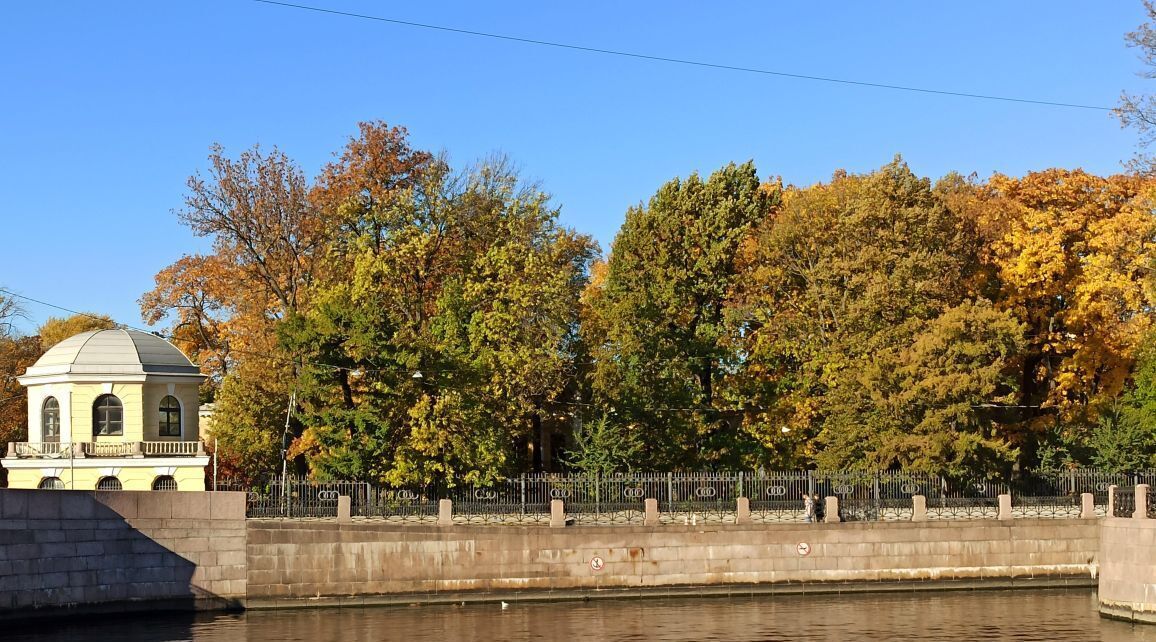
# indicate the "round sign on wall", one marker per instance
pixel 596 564
pixel 803 548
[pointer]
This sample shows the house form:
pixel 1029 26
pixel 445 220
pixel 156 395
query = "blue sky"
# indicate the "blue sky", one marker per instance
pixel 106 108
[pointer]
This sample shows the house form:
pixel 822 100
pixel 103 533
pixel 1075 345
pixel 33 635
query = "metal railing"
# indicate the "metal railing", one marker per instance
pixel 773 496
pixel 1124 501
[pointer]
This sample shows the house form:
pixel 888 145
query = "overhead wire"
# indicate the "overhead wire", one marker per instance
pixel 685 61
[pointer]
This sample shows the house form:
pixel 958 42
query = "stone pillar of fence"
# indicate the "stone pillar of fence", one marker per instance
pixel 344 509
pixel 1112 500
pixel 650 517
pixel 1087 506
pixel 557 513
pixel 918 508
pixel 1005 506
pixel 831 510
pixel 743 510
pixel 1141 511
pixel 445 512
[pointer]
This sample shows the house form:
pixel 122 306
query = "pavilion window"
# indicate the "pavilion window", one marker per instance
pixel 165 482
pixel 170 419
pixel 51 483
pixel 50 420
pixel 109 483
pixel 107 416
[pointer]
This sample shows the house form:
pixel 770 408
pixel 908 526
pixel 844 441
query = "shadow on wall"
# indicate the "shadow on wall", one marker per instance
pixel 76 550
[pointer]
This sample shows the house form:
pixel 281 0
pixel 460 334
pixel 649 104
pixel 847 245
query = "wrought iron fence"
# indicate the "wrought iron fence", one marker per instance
pixel 1124 503
pixel 773 496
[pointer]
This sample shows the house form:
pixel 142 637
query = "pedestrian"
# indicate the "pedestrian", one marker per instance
pixel 819 512
pixel 808 508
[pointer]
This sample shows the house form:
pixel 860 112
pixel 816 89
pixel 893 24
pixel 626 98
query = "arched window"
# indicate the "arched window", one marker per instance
pixel 50 420
pixel 108 483
pixel 107 416
pixel 170 424
pixel 50 483
pixel 165 482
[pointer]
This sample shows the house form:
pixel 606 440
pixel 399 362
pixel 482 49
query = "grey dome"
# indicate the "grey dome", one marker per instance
pixel 113 352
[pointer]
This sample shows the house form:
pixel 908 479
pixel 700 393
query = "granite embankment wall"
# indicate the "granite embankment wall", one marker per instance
pixel 117 551
pixel 1127 563
pixel 291 563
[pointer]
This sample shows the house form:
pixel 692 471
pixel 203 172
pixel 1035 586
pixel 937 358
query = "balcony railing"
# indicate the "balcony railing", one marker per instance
pixel 80 450
pixel 39 449
pixel 172 448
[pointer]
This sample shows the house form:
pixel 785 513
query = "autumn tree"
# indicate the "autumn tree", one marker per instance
pixel 222 308
pixel 57 329
pixel 865 346
pixel 655 322
pixel 444 344
pixel 17 353
pixel 1070 254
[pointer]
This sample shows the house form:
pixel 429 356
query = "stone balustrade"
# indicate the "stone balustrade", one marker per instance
pixel 82 449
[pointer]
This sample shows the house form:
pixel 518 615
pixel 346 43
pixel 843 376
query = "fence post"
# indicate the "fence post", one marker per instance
pixel 743 511
pixel 445 512
pixel 1112 500
pixel 651 516
pixel 1005 506
pixel 1087 506
pixel 557 514
pixel 831 510
pixel 523 493
pixel 918 508
pixel 1141 511
pixel 343 509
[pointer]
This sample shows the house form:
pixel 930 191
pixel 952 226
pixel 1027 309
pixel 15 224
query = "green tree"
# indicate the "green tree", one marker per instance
pixel 447 342
pixel 655 324
pixel 1125 437
pixel 838 313
pixel 603 447
pixel 921 406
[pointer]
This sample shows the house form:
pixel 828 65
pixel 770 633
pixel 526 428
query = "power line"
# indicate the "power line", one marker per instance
pixel 684 61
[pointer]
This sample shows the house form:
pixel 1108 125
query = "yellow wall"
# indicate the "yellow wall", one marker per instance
pixel 85 478
pixel 187 394
pixel 85 394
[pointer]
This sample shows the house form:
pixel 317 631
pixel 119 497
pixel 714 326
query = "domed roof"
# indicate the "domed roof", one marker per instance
pixel 113 352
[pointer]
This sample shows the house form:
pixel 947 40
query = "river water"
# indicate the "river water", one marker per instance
pixel 1051 615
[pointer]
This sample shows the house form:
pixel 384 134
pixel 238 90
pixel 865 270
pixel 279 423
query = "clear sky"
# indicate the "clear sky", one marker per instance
pixel 107 107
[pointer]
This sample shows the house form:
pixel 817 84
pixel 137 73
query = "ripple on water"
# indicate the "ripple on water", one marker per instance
pixel 1051 616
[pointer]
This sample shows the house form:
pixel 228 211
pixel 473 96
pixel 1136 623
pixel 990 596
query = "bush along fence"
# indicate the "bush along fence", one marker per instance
pixel 683 498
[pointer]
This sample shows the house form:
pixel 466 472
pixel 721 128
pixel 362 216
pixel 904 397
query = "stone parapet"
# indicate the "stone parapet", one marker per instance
pixel 1128 569
pixel 307 561
pixel 128 550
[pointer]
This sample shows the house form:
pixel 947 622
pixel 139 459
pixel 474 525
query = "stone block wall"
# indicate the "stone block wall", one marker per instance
pixel 291 561
pixel 93 551
pixel 1128 569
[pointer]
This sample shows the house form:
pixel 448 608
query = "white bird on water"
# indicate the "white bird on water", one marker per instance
pixel 505 605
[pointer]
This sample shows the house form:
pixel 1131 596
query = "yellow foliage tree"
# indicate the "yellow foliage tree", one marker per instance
pixel 1069 255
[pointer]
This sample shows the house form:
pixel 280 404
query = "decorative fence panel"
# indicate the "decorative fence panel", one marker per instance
pixel 1125 501
pixel 687 498
pixel 779 496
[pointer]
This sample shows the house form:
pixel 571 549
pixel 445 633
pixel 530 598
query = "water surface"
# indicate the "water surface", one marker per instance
pixel 1054 616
